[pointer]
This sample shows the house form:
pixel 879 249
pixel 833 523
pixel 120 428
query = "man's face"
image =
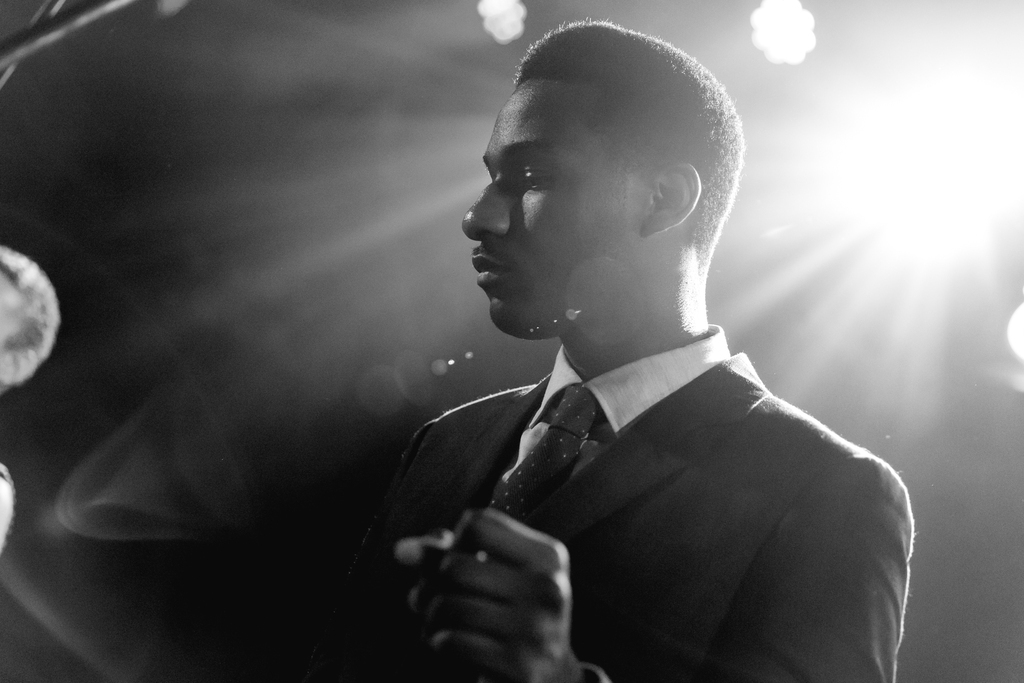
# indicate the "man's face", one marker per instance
pixel 557 200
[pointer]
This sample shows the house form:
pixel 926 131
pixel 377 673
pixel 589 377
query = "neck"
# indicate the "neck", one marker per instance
pixel 592 358
pixel 632 318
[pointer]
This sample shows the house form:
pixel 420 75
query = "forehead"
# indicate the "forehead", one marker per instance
pixel 547 114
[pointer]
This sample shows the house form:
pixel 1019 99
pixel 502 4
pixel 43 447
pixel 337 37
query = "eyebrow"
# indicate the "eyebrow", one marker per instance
pixel 521 147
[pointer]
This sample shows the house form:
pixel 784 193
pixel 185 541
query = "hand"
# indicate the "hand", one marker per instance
pixel 495 593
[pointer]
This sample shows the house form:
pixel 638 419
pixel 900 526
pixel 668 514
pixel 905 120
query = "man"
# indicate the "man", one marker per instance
pixel 715 533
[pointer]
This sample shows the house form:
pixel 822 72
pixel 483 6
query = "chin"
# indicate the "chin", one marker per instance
pixel 522 322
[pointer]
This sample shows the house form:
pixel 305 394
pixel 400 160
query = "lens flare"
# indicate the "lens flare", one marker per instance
pixel 932 168
pixel 783 30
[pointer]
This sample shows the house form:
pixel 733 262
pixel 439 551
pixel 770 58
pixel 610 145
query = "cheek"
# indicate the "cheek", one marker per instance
pixel 552 223
pixel 534 210
pixel 603 214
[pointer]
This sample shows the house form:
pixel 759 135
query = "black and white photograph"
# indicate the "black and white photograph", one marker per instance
pixel 511 341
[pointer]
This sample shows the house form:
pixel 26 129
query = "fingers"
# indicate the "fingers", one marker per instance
pixel 417 551
pixel 476 575
pixel 507 540
pixel 497 661
pixel 447 612
pixel 489 554
pixel 463 573
pixel 490 535
pixel 424 553
pixel 493 593
pixel 490 656
pixel 486 653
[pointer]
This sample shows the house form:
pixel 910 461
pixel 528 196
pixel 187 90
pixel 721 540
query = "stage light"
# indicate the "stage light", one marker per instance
pixel 29 318
pixel 783 30
pixel 503 19
pixel 1015 332
pixel 932 167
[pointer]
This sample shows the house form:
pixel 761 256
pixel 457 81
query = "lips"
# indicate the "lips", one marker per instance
pixel 484 262
pixel 493 271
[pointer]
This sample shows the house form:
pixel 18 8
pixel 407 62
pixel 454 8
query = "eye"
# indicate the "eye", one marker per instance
pixel 519 181
pixel 534 178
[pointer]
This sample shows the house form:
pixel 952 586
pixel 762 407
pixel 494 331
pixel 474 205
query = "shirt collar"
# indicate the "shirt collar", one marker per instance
pixel 626 392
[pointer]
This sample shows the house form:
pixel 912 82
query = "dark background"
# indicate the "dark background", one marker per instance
pixel 250 212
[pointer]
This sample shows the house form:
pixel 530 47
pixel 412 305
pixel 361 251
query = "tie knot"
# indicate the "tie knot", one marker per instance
pixel 574 411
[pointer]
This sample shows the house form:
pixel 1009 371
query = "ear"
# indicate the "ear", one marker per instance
pixel 676 190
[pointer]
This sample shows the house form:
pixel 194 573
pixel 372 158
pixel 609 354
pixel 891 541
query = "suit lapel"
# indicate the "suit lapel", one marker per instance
pixel 620 473
pixel 656 448
pixel 442 482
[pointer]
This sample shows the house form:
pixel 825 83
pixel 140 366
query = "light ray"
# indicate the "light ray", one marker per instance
pixel 77 638
pixel 885 323
pixel 759 299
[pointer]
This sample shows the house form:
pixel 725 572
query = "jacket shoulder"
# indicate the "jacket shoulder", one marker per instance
pixel 823 595
pixel 483 407
pixel 784 426
pixel 788 433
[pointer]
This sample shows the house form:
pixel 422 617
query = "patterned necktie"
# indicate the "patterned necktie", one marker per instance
pixel 550 463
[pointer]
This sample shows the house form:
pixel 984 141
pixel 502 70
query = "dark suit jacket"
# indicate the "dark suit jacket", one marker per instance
pixel 724 536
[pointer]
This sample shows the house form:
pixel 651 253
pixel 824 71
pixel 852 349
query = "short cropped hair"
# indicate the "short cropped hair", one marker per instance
pixel 658 105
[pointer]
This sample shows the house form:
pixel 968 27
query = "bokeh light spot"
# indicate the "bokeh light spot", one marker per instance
pixel 29 317
pixel 783 30
pixel 503 19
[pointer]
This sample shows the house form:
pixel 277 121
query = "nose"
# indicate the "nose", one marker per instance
pixel 488 215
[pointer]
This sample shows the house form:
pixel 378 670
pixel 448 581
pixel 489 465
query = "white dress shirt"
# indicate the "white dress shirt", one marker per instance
pixel 628 391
